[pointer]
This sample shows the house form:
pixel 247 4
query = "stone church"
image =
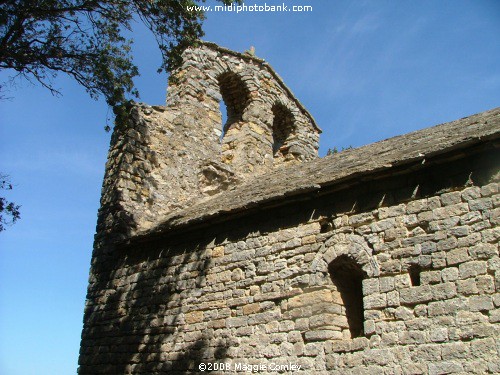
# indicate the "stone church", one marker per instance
pixel 233 248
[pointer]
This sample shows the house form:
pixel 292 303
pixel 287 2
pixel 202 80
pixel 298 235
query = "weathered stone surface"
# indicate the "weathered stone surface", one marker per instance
pixel 382 259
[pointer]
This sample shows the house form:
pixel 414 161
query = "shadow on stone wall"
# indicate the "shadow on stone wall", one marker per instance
pixel 140 327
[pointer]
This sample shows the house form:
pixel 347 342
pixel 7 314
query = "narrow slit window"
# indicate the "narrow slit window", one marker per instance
pixel 347 276
pixel 283 124
pixel 235 96
pixel 223 112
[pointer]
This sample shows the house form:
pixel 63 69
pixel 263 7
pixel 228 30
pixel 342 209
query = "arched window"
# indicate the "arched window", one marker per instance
pixel 283 124
pixel 347 276
pixel 235 96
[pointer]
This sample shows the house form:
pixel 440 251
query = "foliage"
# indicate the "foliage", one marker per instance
pixel 9 211
pixel 85 39
pixel 334 150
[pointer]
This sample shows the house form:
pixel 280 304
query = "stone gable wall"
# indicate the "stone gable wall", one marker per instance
pixel 163 158
pixel 264 288
pixel 251 91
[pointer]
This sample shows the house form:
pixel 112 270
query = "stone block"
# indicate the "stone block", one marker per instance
pixel 457 256
pixel 481 204
pixel 302 324
pixel 425 217
pixel 264 317
pixel 444 291
pixel 438 334
pixel 471 218
pixel 444 367
pixel 469 240
pixel 308 240
pixel 402 281
pixel 386 284
pixel 427 247
pixel 193 317
pixel 322 335
pixel 450 211
pixel 390 267
pixel 361 219
pixel 449 274
pixel 483 251
pixel 236 322
pixel 218 251
pixel 433 202
pixel 491 235
pixel 494 316
pixel 430 277
pixel 485 348
pixel 416 206
pixel 460 231
pixel 467 286
pixel 447 244
pixel 375 301
pixel 404 313
pixel 370 286
pixel 415 295
pixel 392 211
pixel 311 298
pixel 393 298
pixel 485 284
pixel 448 199
pixel 456 350
pixel 495 216
pixel 489 189
pixel 369 327
pixel 471 269
pixel 480 303
pixel 412 337
pixel 340 346
pixel 383 225
pixel 294 336
pixel 252 308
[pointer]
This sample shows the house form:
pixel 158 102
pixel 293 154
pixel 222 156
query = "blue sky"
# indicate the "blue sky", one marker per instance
pixel 366 70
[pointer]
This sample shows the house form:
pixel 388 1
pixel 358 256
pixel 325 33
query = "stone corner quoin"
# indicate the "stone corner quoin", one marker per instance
pixel 223 238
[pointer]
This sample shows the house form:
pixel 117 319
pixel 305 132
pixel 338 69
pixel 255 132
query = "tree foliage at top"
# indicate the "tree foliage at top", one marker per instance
pixel 85 39
pixel 9 211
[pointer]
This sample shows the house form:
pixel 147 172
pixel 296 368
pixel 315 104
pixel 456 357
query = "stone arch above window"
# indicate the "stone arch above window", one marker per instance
pixel 283 125
pixel 351 245
pixel 235 95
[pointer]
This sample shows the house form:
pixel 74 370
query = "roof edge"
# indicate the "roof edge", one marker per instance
pixel 375 158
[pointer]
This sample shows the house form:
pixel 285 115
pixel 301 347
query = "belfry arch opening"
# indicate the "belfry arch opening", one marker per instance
pixel 283 124
pixel 347 276
pixel 235 97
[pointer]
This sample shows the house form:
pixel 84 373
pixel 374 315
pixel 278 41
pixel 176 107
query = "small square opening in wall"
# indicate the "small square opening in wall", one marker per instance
pixel 326 225
pixel 415 272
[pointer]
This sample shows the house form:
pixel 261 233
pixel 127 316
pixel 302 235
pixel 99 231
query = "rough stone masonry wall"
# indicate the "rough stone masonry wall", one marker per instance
pixel 165 158
pixel 262 289
pixel 266 125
